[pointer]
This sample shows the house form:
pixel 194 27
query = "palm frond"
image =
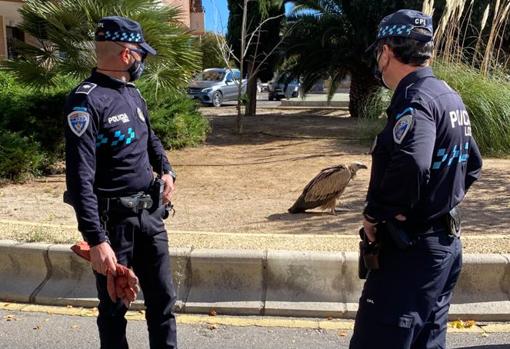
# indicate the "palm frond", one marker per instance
pixel 65 34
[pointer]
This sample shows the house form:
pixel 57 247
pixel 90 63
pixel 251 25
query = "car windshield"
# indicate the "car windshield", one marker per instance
pixel 211 75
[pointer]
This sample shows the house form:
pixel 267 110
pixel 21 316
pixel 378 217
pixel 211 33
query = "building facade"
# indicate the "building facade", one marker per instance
pixel 9 20
pixel 192 17
pixel 192 14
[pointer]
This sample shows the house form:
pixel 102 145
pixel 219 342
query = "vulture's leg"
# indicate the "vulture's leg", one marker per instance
pixel 331 206
pixel 342 208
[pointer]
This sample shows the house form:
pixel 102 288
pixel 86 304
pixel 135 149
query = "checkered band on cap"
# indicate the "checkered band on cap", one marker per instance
pixel 123 36
pixel 395 30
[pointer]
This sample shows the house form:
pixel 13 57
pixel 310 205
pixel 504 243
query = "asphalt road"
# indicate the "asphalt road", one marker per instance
pixel 27 330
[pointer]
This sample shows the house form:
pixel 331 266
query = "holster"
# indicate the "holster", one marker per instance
pixel 400 236
pixel 156 193
pixel 453 222
pixel 368 255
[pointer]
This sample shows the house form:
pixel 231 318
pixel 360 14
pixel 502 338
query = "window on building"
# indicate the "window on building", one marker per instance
pixel 13 34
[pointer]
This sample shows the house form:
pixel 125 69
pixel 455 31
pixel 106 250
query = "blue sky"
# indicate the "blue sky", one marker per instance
pixel 216 15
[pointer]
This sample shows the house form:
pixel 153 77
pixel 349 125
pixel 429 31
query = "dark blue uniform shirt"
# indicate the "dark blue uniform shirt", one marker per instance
pixel 111 149
pixel 425 159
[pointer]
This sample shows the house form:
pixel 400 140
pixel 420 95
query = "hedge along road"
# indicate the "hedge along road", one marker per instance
pixel 245 184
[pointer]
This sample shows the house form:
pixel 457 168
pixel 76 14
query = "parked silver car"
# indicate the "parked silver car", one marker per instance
pixel 283 87
pixel 216 85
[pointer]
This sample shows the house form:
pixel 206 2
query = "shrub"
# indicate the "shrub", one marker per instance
pixel 373 116
pixel 20 156
pixel 35 117
pixel 488 103
pixel 35 114
pixel 178 123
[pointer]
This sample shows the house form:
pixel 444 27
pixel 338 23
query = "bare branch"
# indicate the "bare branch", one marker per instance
pixel 257 30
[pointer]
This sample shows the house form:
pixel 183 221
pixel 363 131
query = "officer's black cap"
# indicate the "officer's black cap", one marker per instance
pixel 402 24
pixel 115 28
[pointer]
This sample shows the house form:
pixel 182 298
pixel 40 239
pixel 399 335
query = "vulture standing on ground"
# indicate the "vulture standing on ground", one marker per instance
pixel 326 188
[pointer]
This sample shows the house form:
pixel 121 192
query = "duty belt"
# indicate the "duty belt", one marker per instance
pixel 451 222
pixel 134 203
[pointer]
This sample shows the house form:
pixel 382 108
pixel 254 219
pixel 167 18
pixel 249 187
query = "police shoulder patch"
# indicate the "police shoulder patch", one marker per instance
pixel 85 88
pixel 402 126
pixel 78 121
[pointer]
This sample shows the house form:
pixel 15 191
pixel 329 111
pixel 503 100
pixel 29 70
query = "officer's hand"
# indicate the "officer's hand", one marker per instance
pixel 169 188
pixel 370 230
pixel 103 258
pixel 400 217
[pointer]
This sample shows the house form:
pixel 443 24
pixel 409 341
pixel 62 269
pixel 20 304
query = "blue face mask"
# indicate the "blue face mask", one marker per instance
pixel 136 70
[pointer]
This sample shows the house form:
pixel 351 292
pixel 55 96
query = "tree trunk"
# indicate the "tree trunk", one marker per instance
pixel 239 119
pixel 251 91
pixel 363 86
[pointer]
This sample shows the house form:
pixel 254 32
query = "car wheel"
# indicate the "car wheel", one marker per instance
pixel 217 99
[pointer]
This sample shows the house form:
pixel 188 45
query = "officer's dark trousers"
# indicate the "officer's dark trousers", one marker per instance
pixel 404 305
pixel 141 242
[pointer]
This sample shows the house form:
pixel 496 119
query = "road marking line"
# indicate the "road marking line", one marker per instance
pixel 234 321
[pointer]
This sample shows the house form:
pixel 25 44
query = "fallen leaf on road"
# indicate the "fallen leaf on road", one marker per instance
pixel 462 324
pixel 212 327
pixel 74 327
pixel 10 318
pixel 37 327
pixel 342 334
pixel 212 312
pixel 485 334
pixel 470 323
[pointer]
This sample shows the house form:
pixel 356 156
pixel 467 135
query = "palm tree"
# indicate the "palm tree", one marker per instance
pixel 64 41
pixel 329 39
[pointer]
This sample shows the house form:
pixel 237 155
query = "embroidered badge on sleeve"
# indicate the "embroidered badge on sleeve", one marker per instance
pixel 78 122
pixel 402 126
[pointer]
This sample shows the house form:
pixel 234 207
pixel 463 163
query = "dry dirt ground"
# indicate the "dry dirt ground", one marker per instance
pixel 245 184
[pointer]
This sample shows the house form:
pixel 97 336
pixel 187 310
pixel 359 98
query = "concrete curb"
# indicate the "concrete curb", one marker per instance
pixel 315 104
pixel 245 282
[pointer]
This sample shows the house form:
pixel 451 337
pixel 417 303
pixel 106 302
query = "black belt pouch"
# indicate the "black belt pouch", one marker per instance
pixel 398 234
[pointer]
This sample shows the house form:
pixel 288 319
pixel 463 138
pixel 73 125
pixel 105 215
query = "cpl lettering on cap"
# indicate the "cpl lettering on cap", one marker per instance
pixel 420 21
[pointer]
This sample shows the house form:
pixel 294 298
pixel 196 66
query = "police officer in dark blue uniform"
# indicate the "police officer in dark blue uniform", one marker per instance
pixel 111 156
pixel 424 161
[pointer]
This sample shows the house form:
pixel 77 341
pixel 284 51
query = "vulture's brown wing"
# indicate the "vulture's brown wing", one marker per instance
pixel 328 184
